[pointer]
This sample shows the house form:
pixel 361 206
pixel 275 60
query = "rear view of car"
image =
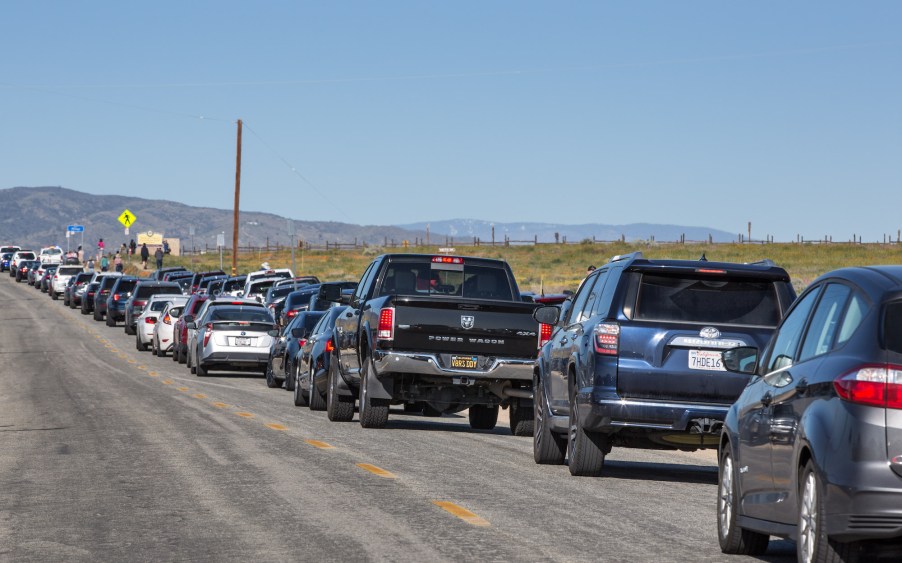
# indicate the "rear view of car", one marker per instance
pixel 162 341
pixel 234 338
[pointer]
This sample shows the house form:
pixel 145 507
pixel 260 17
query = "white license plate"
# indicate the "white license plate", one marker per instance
pixel 706 359
pixel 239 341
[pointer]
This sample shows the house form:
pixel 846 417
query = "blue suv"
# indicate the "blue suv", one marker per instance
pixel 635 360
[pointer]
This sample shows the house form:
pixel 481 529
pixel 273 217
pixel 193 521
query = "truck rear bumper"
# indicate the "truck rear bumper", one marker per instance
pixel 432 364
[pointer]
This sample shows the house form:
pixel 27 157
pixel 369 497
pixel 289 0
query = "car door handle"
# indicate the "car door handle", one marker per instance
pixel 767 399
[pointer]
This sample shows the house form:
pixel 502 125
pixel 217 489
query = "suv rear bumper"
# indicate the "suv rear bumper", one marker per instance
pixel 612 415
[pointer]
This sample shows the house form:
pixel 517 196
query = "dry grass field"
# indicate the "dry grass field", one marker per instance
pixel 556 267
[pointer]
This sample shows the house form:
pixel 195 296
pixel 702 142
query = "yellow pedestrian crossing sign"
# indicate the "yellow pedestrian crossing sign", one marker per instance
pixel 127 218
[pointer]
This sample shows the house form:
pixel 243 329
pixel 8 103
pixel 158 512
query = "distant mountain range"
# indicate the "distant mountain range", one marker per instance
pixel 36 216
pixel 463 229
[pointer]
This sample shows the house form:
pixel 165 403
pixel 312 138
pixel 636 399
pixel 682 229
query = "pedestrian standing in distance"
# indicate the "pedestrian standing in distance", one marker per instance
pixel 131 247
pixel 104 263
pixel 145 255
pixel 590 269
pixel 100 248
pixel 117 262
pixel 159 256
pixel 81 255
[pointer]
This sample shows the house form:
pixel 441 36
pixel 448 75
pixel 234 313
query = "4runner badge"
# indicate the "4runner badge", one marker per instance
pixel 466 321
pixel 709 332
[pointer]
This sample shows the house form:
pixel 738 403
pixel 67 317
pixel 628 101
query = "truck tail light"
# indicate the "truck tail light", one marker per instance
pixel 878 385
pixel 607 339
pixel 207 333
pixel 544 334
pixel 330 345
pixel 386 329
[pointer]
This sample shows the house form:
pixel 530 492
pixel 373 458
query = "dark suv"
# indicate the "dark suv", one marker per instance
pixel 635 360
pixel 139 297
pixel 119 294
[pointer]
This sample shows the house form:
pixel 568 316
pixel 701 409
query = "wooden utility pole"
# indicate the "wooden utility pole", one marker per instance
pixel 237 199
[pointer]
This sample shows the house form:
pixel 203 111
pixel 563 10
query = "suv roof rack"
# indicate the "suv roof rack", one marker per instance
pixel 765 262
pixel 629 256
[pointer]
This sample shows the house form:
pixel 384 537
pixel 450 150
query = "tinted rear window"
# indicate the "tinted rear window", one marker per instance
pixel 892 327
pixel 706 300
pixel 251 315
pixel 426 278
pixel 147 291
pixel 126 286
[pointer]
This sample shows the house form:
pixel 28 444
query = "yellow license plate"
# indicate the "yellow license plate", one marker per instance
pixel 465 362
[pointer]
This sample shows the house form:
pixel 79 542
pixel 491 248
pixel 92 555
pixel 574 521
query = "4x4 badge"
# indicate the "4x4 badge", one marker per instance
pixel 709 332
pixel 466 321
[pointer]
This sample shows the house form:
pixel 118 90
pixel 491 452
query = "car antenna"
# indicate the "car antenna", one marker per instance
pixel 703 258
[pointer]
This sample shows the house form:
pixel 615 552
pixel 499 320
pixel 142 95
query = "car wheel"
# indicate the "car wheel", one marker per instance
pixel 199 370
pixel 373 412
pixel 66 299
pixel 128 329
pixel 813 543
pixel 110 321
pixel 522 420
pixel 732 538
pixel 183 356
pixel 97 316
pixel 483 417
pixel 289 380
pixel 299 399
pixel 138 346
pixel 338 408
pixel 585 450
pixel 548 447
pixel 271 377
pixel 316 401
pixel 54 295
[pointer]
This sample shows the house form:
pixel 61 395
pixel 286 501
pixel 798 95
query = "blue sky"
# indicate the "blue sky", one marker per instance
pixel 785 114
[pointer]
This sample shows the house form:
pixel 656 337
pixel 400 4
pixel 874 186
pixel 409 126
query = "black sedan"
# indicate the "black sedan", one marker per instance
pixel 812 449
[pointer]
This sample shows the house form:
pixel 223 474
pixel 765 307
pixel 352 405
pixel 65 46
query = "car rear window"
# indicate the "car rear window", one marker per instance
pixel 158 305
pixel 427 278
pixel 147 291
pixel 249 315
pixel 892 327
pixel 125 286
pixel 70 270
pixel 706 300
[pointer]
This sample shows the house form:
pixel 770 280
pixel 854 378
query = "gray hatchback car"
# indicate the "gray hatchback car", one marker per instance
pixel 812 449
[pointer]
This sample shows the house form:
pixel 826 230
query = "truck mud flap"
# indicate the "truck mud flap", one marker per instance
pixel 380 388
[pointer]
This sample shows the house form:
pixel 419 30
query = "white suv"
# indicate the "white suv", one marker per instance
pixel 61 278
pixel 51 255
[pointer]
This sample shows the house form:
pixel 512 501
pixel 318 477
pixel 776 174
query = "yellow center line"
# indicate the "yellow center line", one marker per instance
pixel 377 471
pixel 219 405
pixel 199 396
pixel 167 382
pixel 132 360
pixel 245 414
pixel 152 373
pixel 276 426
pixel 182 388
pixel 461 513
pixel 142 367
pixel 320 445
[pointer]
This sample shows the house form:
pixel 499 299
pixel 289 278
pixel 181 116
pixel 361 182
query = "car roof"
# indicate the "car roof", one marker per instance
pixel 875 280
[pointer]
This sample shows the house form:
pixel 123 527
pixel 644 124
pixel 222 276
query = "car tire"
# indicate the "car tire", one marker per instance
pixel 299 399
pixel 271 381
pixel 97 316
pixel 585 450
pixel 338 408
pixel 483 417
pixel 128 329
pixel 522 418
pixel 289 379
pixel 110 321
pixel 65 299
pixel 813 543
pixel 548 447
pixel 199 370
pixel 138 346
pixel 373 412
pixel 54 295
pixel 183 356
pixel 316 401
pixel 733 539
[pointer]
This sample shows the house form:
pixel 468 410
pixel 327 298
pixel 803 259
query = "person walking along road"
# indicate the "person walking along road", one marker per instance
pixel 145 255
pixel 159 256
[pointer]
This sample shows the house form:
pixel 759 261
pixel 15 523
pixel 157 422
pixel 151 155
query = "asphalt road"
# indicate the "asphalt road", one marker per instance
pixel 110 454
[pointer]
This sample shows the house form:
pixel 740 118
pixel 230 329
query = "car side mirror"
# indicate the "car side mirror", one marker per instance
pixel 273 333
pixel 743 359
pixel 297 332
pixel 192 325
pixel 188 318
pixel 547 314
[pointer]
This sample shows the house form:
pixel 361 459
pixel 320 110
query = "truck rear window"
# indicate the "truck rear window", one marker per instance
pixel 426 278
pixel 706 300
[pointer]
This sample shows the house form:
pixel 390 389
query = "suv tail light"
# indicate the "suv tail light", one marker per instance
pixel 116 297
pixel 607 339
pixel 208 333
pixel 302 342
pixel 878 385
pixel 544 334
pixel 167 319
pixel 386 329
pixel 292 313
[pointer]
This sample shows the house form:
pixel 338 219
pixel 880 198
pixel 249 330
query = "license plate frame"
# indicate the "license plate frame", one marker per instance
pixel 464 361
pixel 242 341
pixel 705 360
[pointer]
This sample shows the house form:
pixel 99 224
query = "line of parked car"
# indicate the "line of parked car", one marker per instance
pixel 802 397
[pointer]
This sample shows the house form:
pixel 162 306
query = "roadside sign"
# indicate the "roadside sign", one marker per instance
pixel 75 229
pixel 127 218
pixel 220 241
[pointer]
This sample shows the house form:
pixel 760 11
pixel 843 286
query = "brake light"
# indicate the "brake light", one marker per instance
pixel 607 339
pixel 116 297
pixel 330 345
pixel 301 342
pixel 447 260
pixel 291 313
pixel 544 334
pixel 386 329
pixel 710 271
pixel 150 320
pixel 207 333
pixel 878 385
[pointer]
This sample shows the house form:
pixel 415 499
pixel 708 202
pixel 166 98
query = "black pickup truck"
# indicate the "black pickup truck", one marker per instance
pixel 435 333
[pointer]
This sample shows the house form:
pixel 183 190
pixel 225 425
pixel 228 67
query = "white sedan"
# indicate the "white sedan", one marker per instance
pixel 161 341
pixel 147 321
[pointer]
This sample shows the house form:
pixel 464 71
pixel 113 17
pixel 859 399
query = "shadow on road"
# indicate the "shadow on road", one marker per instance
pixel 645 471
